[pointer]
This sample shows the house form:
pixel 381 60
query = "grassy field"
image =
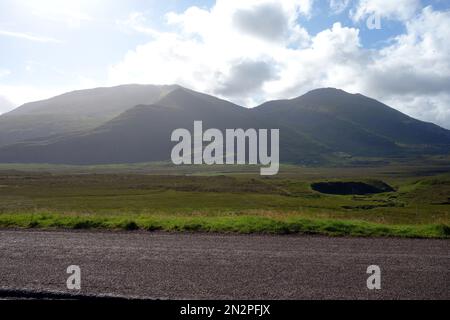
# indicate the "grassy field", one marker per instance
pixel 227 199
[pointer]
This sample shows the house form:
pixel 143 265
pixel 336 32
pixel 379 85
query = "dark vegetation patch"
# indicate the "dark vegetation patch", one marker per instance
pixel 371 206
pixel 349 188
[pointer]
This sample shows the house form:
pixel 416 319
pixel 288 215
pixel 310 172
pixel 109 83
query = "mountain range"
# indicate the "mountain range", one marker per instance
pixel 133 123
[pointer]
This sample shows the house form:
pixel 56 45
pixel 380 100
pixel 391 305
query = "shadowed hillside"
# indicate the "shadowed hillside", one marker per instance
pixel 319 127
pixel 74 111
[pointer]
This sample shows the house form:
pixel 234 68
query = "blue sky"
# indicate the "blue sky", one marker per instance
pixel 48 47
pixel 83 46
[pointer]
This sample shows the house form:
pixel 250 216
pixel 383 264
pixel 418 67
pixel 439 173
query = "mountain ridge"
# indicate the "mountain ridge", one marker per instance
pixel 74 111
pixel 313 127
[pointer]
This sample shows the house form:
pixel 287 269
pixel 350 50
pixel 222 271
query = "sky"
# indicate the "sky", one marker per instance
pixel 246 51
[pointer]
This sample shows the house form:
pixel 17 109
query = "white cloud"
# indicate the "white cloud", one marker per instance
pixel 268 20
pixel 209 45
pixel 20 94
pixel 137 22
pixel 338 6
pixel 71 13
pixel 431 108
pixel 413 74
pixel 5 105
pixel 4 72
pixel 27 36
pixel 398 9
pixel 246 77
pixel 237 58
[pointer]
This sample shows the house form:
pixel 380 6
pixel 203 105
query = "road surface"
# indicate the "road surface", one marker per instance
pixel 213 266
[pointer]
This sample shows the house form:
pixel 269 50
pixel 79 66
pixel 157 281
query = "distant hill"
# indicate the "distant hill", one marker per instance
pixel 133 124
pixel 74 111
pixel 356 124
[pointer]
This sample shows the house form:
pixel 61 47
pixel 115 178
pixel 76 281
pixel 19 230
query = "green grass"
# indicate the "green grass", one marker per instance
pixel 239 224
pixel 232 202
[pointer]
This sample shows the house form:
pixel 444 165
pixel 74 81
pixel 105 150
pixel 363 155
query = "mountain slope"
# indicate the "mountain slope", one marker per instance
pixel 375 117
pixel 74 111
pixel 314 129
pixel 356 124
pixel 141 133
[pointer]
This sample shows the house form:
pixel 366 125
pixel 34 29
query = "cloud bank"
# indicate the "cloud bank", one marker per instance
pixel 253 51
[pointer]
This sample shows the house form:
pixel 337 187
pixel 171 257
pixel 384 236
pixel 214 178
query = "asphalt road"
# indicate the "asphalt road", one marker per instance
pixel 212 266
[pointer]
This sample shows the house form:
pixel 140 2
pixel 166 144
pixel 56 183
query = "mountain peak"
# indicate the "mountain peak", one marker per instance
pixel 134 123
pixel 330 97
pixel 327 92
pixel 76 111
